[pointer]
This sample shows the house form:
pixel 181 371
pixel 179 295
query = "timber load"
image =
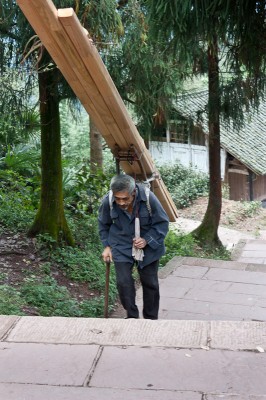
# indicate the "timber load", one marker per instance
pixel 76 56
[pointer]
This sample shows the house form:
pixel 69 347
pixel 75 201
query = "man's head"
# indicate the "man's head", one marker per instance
pixel 123 187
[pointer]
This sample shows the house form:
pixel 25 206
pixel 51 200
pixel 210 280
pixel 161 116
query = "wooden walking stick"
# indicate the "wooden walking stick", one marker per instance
pixel 106 295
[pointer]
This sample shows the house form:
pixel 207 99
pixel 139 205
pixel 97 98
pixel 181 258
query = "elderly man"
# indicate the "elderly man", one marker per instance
pixel 132 226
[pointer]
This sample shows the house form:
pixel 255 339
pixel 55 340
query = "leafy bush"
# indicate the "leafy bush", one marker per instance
pixel 50 299
pixel 184 184
pixel 178 244
pixel 10 301
pixel 83 191
pixel 16 210
pixel 185 245
pixel 249 208
pixel 22 159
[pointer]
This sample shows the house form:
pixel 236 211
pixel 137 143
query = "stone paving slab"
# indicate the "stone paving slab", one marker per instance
pixel 196 370
pixel 110 332
pixel 219 297
pixel 238 335
pixel 255 245
pixel 252 253
pixel 248 260
pixel 236 276
pixel 256 267
pixel 171 291
pixel 171 307
pixel 238 312
pixel 207 262
pixel 194 272
pixel 46 364
pixel 189 283
pixel 43 392
pixel 190 316
pixel 249 289
pixel 6 323
pixel 233 397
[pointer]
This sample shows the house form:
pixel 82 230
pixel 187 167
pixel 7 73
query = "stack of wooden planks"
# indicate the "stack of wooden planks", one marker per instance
pixel 79 61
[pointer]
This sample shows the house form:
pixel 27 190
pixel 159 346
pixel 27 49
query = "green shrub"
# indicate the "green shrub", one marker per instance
pixel 178 244
pixel 16 210
pixel 184 184
pixel 249 208
pixel 50 299
pixel 10 301
pixel 185 245
pixel 83 192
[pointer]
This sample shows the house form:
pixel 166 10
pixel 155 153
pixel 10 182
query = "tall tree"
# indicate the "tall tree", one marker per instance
pixel 96 153
pixel 50 217
pixel 228 32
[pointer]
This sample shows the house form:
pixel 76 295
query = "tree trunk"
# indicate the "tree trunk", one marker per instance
pixel 96 151
pixel 50 217
pixel 207 232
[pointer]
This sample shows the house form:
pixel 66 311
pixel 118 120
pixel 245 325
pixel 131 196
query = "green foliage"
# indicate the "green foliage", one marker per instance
pixel 10 301
pixel 184 184
pixel 22 159
pixel 84 190
pixel 74 122
pixel 250 208
pixel 243 210
pixel 225 191
pixel 146 75
pixel 50 299
pixel 215 253
pixel 79 265
pixel 17 200
pixel 20 120
pixel 185 245
pixel 178 245
pixel 16 211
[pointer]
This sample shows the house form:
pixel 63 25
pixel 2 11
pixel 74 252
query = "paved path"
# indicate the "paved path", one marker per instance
pixel 208 343
pixel 229 237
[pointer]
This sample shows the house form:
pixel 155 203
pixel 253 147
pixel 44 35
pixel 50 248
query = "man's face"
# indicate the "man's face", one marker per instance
pixel 124 199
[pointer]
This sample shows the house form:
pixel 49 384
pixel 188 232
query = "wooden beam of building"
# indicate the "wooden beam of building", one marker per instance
pixel 79 61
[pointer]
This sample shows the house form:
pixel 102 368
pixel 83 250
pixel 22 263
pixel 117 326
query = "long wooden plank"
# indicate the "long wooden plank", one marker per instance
pixel 101 77
pixel 103 81
pixel 43 18
pixel 78 59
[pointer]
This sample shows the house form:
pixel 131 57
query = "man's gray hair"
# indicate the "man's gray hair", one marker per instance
pixel 122 183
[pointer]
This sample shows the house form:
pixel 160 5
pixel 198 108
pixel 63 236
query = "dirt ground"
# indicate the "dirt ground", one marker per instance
pixel 247 217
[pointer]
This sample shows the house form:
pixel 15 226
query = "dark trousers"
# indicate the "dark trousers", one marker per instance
pixel 127 292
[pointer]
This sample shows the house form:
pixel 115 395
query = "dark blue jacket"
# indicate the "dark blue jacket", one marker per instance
pixel 117 230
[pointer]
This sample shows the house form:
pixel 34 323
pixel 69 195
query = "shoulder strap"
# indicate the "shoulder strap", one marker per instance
pixel 147 192
pixel 110 196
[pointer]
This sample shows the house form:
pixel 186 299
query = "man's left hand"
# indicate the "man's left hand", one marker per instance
pixel 139 243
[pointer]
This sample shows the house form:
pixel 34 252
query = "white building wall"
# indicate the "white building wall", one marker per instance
pixel 187 155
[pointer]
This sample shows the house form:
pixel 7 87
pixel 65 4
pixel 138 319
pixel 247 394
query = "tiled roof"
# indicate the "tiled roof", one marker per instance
pixel 247 143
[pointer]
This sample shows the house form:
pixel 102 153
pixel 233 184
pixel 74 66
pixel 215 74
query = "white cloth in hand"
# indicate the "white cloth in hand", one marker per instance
pixel 138 254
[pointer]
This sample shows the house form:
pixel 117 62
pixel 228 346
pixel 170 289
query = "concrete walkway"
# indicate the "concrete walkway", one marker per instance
pixel 208 343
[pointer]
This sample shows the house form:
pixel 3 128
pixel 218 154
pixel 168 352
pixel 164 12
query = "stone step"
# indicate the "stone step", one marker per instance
pixel 206 335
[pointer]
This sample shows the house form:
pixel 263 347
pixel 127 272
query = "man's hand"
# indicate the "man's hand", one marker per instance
pixel 139 243
pixel 107 254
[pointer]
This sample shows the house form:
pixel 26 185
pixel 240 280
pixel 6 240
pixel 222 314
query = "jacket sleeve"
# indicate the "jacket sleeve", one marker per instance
pixel 160 223
pixel 104 221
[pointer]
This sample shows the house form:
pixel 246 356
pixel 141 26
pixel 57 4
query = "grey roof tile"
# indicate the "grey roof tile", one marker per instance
pixel 247 143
